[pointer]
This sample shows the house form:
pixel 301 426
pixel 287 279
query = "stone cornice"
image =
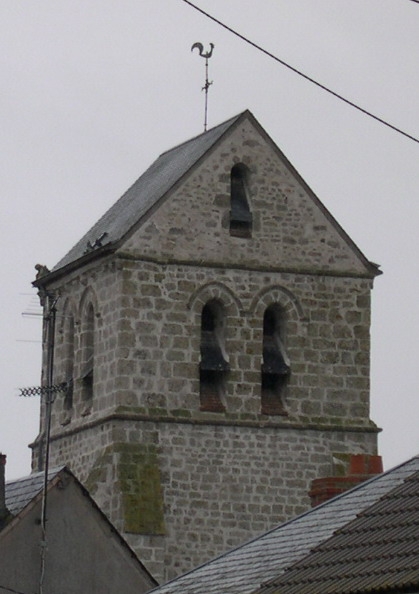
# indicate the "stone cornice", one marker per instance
pixel 227 266
pixel 210 420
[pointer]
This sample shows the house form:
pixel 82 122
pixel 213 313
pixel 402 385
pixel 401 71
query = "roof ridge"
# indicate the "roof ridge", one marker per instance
pixel 151 187
pixel 193 138
pixel 34 475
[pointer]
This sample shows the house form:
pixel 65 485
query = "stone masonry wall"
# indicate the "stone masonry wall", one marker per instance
pixel 326 336
pixel 291 230
pixel 221 485
pixel 224 477
pixel 147 342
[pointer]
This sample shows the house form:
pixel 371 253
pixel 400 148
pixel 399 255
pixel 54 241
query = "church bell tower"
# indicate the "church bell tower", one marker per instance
pixel 213 338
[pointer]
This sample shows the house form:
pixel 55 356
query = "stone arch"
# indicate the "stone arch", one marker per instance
pixel 88 297
pixel 215 291
pixel 288 302
pixel 274 308
pixel 69 308
pixel 223 303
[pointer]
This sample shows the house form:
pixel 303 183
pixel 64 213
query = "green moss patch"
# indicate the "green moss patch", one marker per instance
pixel 138 479
pixel 142 496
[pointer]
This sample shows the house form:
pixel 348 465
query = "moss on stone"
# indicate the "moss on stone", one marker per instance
pixel 340 463
pixel 140 483
pixel 98 473
pixel 160 412
pixel 138 479
pixel 181 413
pixel 140 410
pixel 247 417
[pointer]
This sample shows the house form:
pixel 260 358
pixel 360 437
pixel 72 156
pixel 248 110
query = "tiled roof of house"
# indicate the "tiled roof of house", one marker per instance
pixel 376 552
pixel 159 178
pixel 21 491
pixel 246 568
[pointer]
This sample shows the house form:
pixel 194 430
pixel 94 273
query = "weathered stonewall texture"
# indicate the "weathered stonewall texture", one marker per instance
pixel 182 482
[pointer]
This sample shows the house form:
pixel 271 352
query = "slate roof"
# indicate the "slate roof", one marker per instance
pixel 159 178
pixel 376 552
pixel 246 568
pixel 164 175
pixel 21 491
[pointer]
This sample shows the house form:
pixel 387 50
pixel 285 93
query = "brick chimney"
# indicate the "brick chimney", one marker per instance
pixel 3 509
pixel 361 468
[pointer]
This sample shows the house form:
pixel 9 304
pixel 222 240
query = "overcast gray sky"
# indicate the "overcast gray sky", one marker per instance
pixel 92 92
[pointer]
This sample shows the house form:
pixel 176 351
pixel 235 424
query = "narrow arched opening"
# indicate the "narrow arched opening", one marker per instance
pixel 276 368
pixel 240 215
pixel 69 361
pixel 214 365
pixel 88 355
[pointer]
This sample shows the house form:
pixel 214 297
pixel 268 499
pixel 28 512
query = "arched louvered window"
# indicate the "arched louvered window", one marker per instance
pixel 214 365
pixel 240 215
pixel 88 355
pixel 275 365
pixel 69 360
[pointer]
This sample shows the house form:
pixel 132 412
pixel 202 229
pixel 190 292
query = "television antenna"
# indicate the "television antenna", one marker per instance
pixel 48 392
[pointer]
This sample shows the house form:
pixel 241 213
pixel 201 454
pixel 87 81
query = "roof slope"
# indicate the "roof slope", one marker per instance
pixel 21 491
pixel 245 568
pixel 378 551
pixel 163 176
pixel 159 178
pixel 26 491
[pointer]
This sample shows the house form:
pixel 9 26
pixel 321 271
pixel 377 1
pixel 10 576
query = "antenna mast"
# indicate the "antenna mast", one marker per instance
pixel 50 320
pixel 49 300
pixel 207 84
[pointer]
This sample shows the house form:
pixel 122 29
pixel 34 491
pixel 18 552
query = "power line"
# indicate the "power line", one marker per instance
pixel 305 76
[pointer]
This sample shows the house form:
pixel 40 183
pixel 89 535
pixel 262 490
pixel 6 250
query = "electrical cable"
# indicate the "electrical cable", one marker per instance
pixel 305 76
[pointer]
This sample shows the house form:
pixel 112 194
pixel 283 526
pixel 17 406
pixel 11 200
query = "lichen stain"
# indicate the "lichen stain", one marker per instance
pixel 139 482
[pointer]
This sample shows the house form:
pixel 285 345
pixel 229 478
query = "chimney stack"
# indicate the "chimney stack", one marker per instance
pixel 3 509
pixel 361 468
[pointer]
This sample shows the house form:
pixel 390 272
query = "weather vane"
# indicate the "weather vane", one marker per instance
pixel 207 84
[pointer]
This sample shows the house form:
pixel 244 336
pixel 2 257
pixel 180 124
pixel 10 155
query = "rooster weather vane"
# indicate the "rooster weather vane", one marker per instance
pixel 207 84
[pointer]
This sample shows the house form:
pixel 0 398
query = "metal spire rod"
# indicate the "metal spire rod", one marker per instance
pixel 207 84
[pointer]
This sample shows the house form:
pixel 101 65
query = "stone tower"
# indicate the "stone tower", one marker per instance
pixel 213 331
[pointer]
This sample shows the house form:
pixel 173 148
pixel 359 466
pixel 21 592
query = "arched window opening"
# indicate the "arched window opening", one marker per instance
pixel 69 362
pixel 87 375
pixel 214 364
pixel 275 365
pixel 240 215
